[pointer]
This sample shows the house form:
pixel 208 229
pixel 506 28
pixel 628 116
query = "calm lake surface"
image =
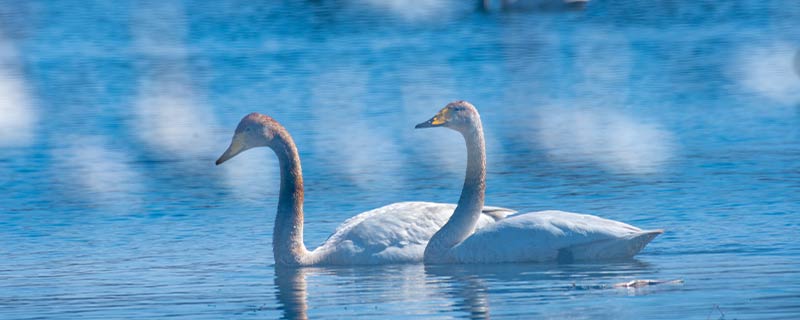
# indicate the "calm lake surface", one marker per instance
pixel 681 115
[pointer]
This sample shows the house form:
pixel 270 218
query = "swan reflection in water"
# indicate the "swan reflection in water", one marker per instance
pixel 291 291
pixel 457 290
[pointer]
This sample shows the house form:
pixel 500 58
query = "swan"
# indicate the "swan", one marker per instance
pixel 521 237
pixel 396 233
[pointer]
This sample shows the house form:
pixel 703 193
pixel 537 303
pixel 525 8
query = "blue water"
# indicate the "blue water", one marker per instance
pixel 681 115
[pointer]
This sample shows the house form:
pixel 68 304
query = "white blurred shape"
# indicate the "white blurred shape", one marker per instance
pixel 252 174
pixel 172 121
pixel 769 71
pixel 422 98
pixel 169 117
pixel 96 172
pixel 358 145
pixel 605 137
pixel 172 118
pixel 413 9
pixel 602 67
pixel 159 29
pixel 17 117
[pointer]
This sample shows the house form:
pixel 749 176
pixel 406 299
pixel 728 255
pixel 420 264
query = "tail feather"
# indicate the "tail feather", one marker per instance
pixel 620 248
pixel 639 241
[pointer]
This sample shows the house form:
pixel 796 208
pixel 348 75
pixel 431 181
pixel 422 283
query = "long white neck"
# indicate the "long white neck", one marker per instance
pixel 287 237
pixel 462 223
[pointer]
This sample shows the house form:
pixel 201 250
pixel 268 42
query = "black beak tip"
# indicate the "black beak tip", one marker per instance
pixel 217 162
pixel 426 124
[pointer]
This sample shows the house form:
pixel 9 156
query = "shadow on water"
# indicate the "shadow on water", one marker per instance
pixel 465 289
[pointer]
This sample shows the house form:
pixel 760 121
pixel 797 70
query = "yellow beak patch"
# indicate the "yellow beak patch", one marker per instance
pixel 441 117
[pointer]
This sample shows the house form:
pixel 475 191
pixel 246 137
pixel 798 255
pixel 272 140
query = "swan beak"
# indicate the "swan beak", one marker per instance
pixel 426 124
pixel 438 120
pixel 235 148
pixel 433 122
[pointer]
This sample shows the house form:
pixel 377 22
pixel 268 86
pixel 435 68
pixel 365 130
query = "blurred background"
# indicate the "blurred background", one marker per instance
pixel 674 114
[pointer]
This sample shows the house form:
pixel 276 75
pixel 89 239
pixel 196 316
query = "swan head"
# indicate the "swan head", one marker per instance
pixel 458 115
pixel 254 130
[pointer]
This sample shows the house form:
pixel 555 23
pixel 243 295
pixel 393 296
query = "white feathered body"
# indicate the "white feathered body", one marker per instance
pixel 551 236
pixel 396 233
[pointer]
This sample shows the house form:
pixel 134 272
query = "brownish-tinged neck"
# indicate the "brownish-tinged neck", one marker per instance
pixel 287 237
pixel 463 221
pixel 472 193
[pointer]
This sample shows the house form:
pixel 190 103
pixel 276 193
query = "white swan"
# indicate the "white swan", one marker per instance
pixel 532 236
pixel 396 233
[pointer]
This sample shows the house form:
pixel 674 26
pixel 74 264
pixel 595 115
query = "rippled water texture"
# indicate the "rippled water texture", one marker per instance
pixel 681 115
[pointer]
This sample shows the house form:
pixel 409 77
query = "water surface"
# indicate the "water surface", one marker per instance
pixel 681 115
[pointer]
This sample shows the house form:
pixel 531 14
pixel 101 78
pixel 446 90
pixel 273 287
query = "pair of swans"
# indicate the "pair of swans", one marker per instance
pixel 408 232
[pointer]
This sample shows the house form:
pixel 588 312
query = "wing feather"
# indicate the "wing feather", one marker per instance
pixel 396 233
pixel 547 235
